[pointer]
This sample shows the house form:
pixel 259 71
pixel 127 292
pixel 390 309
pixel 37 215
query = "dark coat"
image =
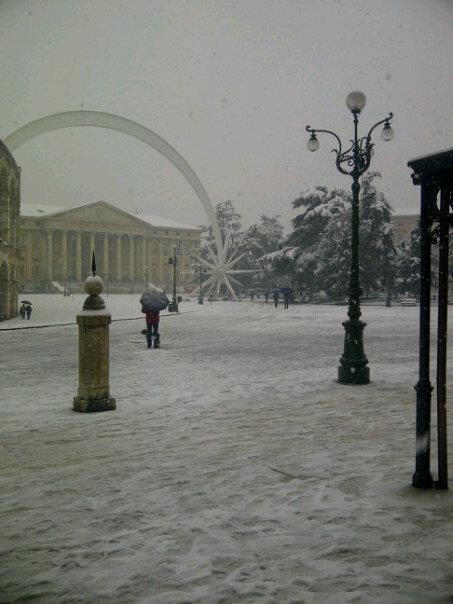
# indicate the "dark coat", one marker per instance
pixel 151 317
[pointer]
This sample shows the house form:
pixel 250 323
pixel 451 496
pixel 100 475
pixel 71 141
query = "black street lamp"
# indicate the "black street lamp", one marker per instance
pixel 174 261
pixel 354 161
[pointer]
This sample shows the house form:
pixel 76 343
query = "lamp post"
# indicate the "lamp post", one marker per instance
pixel 354 161
pixel 174 260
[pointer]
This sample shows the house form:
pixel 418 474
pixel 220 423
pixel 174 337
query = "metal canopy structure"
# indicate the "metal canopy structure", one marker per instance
pixel 434 174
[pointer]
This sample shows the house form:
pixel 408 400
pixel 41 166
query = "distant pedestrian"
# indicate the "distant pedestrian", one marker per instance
pixel 252 295
pixel 276 297
pixel 23 310
pixel 286 299
pixel 266 297
pixel 28 310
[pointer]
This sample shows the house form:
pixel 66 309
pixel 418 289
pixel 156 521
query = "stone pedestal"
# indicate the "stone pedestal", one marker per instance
pixel 93 321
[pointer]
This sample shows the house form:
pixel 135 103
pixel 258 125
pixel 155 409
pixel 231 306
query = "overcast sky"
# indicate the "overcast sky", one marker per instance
pixel 230 84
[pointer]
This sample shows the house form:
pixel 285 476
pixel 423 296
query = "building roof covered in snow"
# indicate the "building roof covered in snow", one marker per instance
pixel 43 211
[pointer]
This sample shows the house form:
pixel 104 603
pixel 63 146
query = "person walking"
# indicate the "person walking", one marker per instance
pixel 23 310
pixel 286 299
pixel 28 310
pixel 152 327
pixel 266 296
pixel 275 296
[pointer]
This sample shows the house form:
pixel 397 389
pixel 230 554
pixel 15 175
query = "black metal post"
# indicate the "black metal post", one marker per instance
pixel 422 477
pixel 173 306
pixel 353 363
pixel 442 325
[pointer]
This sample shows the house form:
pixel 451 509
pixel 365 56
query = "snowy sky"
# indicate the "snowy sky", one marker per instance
pixel 231 84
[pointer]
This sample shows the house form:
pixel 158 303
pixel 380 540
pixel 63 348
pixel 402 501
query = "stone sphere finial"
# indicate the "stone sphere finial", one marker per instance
pixel 93 286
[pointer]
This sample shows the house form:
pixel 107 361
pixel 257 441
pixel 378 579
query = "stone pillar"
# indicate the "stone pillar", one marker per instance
pixel 149 259
pixel 64 254
pixel 94 388
pixel 29 255
pixel 105 260
pixel 78 256
pixel 131 257
pixel 42 268
pixel 119 273
pixel 49 255
pixel 160 263
pixel 144 263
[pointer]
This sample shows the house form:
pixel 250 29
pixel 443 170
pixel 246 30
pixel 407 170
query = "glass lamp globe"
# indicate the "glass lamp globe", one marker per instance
pixel 313 143
pixel 387 133
pixel 355 101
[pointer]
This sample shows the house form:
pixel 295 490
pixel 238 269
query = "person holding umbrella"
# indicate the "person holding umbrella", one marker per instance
pixel 25 309
pixel 153 301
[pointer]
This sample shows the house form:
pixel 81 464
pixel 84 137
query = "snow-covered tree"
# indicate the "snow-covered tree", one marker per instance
pixel 319 206
pixel 229 221
pixel 377 248
pixel 261 239
pixel 407 273
pixel 318 250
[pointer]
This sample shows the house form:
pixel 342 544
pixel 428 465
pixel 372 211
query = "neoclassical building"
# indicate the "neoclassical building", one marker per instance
pixel 9 231
pixel 130 249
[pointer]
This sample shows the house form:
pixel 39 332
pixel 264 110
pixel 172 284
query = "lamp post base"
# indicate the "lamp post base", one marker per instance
pixel 353 375
pixel 94 405
pixel 353 367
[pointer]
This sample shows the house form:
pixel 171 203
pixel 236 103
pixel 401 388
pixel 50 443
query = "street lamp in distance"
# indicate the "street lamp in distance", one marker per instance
pixel 174 261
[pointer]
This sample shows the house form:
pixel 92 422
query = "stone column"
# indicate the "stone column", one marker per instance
pixel 49 255
pixel 78 256
pixel 149 259
pixel 29 255
pixel 64 254
pixel 94 388
pixel 131 257
pixel 42 268
pixel 105 259
pixel 119 273
pixel 144 263
pixel 160 263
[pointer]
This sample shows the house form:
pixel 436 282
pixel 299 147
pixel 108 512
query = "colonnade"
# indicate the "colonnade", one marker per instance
pixel 61 255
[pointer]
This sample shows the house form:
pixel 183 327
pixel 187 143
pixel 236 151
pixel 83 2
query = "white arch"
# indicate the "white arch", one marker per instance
pixel 99 119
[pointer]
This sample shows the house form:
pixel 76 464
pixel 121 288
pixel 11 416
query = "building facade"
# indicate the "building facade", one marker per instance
pixel 403 225
pixel 131 249
pixel 9 231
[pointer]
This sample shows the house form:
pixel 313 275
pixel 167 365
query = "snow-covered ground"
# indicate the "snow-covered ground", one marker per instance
pixel 235 468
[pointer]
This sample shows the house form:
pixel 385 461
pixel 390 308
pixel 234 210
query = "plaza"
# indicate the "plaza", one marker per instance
pixel 235 467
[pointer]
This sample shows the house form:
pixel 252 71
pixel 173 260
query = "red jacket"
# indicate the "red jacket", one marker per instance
pixel 151 317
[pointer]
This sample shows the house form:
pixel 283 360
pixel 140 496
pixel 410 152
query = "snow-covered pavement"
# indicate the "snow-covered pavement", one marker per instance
pixel 235 468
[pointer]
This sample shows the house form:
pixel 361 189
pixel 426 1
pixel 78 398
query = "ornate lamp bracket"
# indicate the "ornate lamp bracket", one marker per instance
pixel 315 131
